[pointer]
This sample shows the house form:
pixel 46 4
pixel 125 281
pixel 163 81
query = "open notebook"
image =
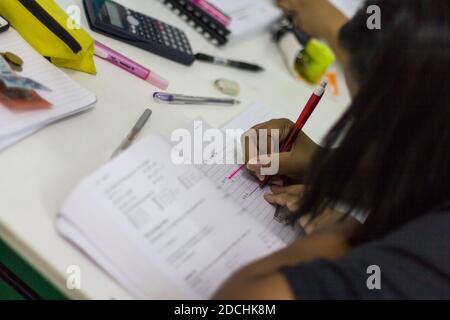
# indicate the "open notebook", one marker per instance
pixel 67 97
pixel 167 231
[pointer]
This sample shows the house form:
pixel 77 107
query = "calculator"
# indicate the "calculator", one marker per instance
pixel 114 20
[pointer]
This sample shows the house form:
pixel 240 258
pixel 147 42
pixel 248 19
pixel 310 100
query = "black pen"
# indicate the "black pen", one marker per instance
pixel 230 63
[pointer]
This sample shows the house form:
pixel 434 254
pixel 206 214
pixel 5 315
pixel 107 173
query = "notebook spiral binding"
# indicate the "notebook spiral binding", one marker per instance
pixel 201 21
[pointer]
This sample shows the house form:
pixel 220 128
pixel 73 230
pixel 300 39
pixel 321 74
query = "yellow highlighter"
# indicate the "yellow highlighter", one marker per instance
pixel 305 56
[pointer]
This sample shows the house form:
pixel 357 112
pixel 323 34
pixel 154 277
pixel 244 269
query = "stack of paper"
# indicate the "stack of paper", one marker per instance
pixel 167 231
pixel 66 96
pixel 348 7
pixel 248 17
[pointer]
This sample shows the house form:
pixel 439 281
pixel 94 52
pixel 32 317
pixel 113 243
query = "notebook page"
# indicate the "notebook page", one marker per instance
pixel 159 224
pixel 66 96
pixel 243 187
pixel 12 139
pixel 69 231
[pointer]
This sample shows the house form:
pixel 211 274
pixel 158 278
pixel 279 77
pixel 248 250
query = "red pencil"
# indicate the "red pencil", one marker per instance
pixel 309 108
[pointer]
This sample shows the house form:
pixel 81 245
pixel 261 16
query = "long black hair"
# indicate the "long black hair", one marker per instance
pixel 394 154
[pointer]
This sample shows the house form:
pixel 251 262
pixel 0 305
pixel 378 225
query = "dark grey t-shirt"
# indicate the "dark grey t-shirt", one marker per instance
pixel 413 263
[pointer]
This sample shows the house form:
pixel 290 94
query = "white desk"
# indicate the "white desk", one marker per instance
pixel 38 173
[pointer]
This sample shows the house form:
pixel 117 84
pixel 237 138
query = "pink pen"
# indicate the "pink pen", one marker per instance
pixel 135 68
pixel 212 11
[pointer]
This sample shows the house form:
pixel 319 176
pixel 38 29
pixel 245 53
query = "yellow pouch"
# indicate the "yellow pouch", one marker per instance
pixel 45 25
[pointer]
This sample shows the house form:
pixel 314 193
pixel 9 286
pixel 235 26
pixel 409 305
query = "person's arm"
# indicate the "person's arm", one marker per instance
pixel 410 262
pixel 263 280
pixel 320 19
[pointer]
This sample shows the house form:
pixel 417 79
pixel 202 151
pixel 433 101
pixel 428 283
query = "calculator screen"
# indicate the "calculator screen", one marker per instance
pixel 114 14
pixel 111 13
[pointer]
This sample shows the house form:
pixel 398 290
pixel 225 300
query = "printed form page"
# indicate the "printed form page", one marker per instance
pixel 242 186
pixel 155 220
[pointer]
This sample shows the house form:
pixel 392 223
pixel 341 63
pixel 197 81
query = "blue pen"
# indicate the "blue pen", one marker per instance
pixel 170 98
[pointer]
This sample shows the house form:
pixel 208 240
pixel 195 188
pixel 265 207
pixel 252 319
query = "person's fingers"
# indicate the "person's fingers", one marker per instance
pixel 260 177
pixel 283 125
pixel 293 190
pixel 249 145
pixel 305 223
pixel 278 199
pixel 284 163
pixel 277 181
pixel 277 189
pixel 283 199
pixel 285 4
pixel 296 189
pixel 327 219
pixel 254 165
pixel 254 141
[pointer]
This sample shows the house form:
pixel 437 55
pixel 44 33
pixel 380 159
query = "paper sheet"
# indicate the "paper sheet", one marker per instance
pixel 169 216
pixel 248 17
pixel 243 187
pixel 172 231
pixel 66 96
pixel 347 7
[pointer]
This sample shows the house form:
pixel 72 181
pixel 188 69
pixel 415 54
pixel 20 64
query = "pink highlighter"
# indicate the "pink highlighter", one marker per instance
pixel 212 11
pixel 135 68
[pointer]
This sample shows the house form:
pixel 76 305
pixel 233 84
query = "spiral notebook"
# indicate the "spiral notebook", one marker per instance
pixel 204 23
pixel 248 18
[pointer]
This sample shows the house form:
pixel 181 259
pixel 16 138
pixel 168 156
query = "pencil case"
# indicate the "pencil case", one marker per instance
pixel 47 28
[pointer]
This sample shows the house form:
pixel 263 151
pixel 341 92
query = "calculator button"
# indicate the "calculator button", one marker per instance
pixel 133 21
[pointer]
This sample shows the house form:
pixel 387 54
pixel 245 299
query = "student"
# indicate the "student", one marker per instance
pixel 393 163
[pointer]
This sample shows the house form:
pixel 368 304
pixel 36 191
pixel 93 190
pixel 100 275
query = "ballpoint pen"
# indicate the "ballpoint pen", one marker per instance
pixel 170 98
pixel 309 108
pixel 286 146
pixel 226 62
pixel 133 133
pixel 293 134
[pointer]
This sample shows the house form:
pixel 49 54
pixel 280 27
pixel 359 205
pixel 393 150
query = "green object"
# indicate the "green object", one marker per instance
pixel 304 55
pixel 8 293
pixel 21 269
pixel 314 61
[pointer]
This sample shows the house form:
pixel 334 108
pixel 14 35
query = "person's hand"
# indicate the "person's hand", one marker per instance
pixel 288 197
pixel 319 18
pixel 293 164
pixel 329 221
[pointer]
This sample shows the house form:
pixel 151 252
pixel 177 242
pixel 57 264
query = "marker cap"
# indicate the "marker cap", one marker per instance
pixel 157 80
